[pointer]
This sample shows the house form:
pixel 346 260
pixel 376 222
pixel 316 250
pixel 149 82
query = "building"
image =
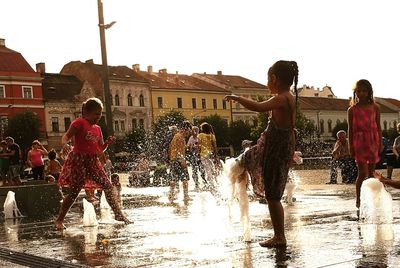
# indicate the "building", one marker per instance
pixel 63 95
pixel 130 93
pixel 193 97
pixel 325 113
pixel 325 92
pixel 240 86
pixel 20 88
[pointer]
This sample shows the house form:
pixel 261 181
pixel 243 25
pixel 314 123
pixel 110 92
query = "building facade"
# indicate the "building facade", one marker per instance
pixel 20 88
pixel 130 93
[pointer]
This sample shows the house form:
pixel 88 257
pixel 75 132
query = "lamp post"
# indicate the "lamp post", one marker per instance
pixel 106 82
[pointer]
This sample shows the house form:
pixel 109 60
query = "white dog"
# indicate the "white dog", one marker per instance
pixel 238 182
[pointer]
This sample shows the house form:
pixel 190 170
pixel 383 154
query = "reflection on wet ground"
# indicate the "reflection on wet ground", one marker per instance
pixel 322 230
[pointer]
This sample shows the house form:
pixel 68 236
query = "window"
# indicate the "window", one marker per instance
pixel 179 102
pixel 111 100
pixel 203 104
pixel 122 122
pixel 159 102
pixel 141 123
pixel 134 123
pixel 224 104
pixel 194 104
pixel 116 100
pixel 215 104
pixel 54 124
pixel 116 126
pixel 329 125
pixel 2 91
pixel 321 126
pixel 130 102
pixel 27 92
pixel 67 123
pixel 385 125
pixel 141 100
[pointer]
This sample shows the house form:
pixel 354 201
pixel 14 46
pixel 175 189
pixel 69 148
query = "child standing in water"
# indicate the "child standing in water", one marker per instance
pixel 279 141
pixel 82 167
pixel 365 134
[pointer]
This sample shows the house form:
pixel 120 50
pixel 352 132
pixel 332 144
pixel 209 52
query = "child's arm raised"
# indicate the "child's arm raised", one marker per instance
pixel 276 102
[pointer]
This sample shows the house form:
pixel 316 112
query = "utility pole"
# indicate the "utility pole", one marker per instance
pixel 106 82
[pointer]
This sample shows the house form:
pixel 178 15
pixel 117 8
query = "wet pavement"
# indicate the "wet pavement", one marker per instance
pixel 322 230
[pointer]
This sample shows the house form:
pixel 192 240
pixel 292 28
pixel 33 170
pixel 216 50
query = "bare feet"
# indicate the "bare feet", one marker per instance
pixel 59 225
pixel 273 243
pixel 124 219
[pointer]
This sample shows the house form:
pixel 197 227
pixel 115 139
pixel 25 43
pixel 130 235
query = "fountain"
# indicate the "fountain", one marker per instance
pixel 10 207
pixel 376 202
pixel 105 209
pixel 89 214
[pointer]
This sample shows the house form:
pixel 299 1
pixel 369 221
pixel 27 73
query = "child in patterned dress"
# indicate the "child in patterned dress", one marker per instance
pixel 365 134
pixel 275 147
pixel 82 168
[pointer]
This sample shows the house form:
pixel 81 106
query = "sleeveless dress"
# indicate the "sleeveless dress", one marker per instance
pixel 268 161
pixel 365 135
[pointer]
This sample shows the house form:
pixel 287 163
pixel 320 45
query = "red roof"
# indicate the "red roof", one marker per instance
pixel 12 61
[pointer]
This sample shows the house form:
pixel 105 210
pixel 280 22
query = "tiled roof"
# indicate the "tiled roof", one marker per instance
pixel 118 72
pixel 393 101
pixel 331 104
pixel 12 61
pixel 178 81
pixel 233 80
pixel 60 87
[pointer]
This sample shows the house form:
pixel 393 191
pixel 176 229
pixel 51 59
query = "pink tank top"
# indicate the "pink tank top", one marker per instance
pixel 36 158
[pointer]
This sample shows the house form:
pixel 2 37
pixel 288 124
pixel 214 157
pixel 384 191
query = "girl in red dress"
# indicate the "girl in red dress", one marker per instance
pixel 365 134
pixel 83 169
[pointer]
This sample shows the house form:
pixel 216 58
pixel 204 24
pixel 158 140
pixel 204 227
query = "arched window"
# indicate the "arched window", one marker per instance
pixel 337 122
pixel 141 100
pixel 116 100
pixel 321 126
pixel 111 99
pixel 130 102
pixel 329 125
pixel 385 125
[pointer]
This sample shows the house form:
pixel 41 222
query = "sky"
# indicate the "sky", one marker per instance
pixel 335 42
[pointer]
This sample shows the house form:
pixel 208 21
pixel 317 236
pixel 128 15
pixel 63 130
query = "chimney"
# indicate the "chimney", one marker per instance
pixel 2 42
pixel 150 69
pixel 219 73
pixel 136 67
pixel 90 61
pixel 41 67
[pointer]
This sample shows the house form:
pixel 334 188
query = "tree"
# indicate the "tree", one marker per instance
pixel 157 141
pixel 220 127
pixel 239 130
pixel 339 126
pixel 24 127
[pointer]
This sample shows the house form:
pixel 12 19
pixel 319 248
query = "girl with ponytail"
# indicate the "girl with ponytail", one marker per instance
pixel 268 163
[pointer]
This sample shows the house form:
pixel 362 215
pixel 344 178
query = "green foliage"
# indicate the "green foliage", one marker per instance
pixel 339 126
pixel 220 127
pixel 304 127
pixel 160 131
pixel 239 130
pixel 133 142
pixel 24 127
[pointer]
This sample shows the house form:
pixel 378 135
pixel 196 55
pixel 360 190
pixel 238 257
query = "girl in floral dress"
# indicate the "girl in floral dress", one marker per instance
pixel 365 134
pixel 82 168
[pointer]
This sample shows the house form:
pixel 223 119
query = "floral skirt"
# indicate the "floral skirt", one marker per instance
pixel 83 171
